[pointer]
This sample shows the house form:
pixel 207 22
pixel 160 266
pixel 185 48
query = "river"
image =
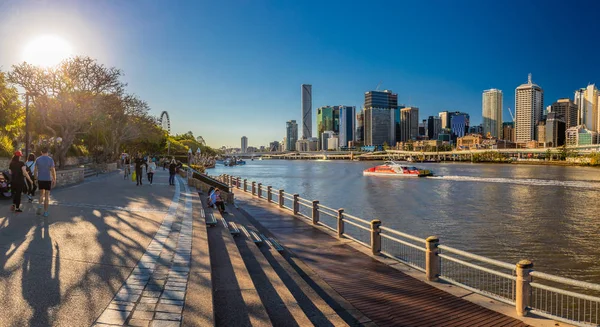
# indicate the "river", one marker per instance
pixel 548 214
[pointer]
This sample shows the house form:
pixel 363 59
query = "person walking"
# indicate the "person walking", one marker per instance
pixel 151 168
pixel 126 167
pixel 18 174
pixel 45 174
pixel 139 162
pixel 30 168
pixel 172 171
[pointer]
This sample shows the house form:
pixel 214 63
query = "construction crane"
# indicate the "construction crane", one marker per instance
pixel 378 85
pixel 511 114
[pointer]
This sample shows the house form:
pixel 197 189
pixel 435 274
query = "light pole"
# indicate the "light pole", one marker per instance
pixel 26 125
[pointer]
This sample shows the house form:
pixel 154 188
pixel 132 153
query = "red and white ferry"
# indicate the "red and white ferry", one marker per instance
pixel 391 168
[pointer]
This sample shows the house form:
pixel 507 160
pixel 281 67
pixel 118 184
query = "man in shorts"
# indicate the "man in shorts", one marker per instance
pixel 45 174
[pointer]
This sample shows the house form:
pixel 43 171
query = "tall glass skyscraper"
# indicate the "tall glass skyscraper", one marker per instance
pixel 291 128
pixel 346 125
pixel 491 107
pixel 529 105
pixel 306 111
pixel 325 120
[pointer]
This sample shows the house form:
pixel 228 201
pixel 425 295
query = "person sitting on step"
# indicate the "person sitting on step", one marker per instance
pixel 219 201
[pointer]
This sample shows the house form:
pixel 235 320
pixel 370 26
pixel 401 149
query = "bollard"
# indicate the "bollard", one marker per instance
pixel 253 188
pixel 315 212
pixel 245 185
pixel 340 223
pixel 281 198
pixel 259 190
pixel 237 183
pixel 523 296
pixel 375 237
pixel 295 204
pixel 432 261
pixel 269 194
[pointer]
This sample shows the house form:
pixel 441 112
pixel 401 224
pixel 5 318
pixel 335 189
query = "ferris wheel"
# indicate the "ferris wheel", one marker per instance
pixel 165 122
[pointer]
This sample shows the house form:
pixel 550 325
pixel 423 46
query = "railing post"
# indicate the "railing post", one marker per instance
pixel 237 183
pixel 340 223
pixel 523 292
pixel 376 237
pixel 259 190
pixel 245 185
pixel 281 198
pixel 432 261
pixel 296 204
pixel 269 194
pixel 315 212
pixel 253 188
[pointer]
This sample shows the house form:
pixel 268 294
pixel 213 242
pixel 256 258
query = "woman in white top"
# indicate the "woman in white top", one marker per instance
pixel 151 169
pixel 30 168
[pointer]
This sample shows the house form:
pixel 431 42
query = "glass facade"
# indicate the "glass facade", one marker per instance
pixel 325 120
pixel 346 125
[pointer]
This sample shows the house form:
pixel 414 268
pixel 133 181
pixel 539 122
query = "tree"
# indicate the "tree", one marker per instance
pixel 12 116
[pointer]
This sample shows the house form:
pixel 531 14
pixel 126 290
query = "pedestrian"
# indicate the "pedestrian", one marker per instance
pixel 18 174
pixel 45 174
pixel 30 168
pixel 151 168
pixel 172 171
pixel 165 163
pixel 126 167
pixel 139 162
pixel 219 201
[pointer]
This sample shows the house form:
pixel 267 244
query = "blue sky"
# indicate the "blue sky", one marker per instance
pixel 224 69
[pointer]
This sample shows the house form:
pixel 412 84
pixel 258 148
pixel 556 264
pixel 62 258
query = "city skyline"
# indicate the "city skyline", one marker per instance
pixel 200 70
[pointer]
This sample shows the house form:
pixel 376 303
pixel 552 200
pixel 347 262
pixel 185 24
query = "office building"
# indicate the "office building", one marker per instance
pixel 306 110
pixel 291 135
pixel 381 99
pixel 360 127
pixel 529 104
pixel 586 100
pixel 555 130
pixel 379 127
pixel 434 127
pixel 347 125
pixel 244 144
pixel 422 129
pixel 492 113
pixel 508 131
pixel 477 129
pixel 541 133
pixel 325 136
pixel 397 119
pixel 445 119
pixel 409 124
pixel 333 143
pixel 325 121
pixel 567 109
pixel 580 135
pixel 307 145
pixel 459 123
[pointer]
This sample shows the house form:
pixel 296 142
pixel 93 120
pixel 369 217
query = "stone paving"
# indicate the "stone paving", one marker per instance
pixel 154 293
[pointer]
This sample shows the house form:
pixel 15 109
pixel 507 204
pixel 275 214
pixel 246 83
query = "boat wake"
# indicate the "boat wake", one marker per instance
pixel 534 182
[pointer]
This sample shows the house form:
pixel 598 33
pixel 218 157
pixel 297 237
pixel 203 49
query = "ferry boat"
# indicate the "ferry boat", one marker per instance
pixel 391 168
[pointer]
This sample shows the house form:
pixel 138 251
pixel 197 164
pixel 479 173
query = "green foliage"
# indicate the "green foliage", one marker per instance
pixel 594 159
pixel 12 113
pixel 6 146
pixel 198 168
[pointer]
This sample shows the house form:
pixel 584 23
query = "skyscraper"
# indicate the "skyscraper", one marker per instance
pixel 529 104
pixel 409 124
pixel 381 99
pixel 379 127
pixel 459 123
pixel 434 127
pixel 346 125
pixel 586 100
pixel 567 109
pixel 492 113
pixel 244 144
pixel 291 137
pixel 508 131
pixel 306 111
pixel 325 121
pixel 360 126
pixel 444 117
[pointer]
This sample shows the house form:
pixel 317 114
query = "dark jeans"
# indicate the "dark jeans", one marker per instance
pixel 138 176
pixel 150 177
pixel 171 178
pixel 220 206
pixel 31 188
pixel 17 190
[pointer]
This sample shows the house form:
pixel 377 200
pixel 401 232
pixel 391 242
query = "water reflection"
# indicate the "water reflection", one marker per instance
pixel 544 213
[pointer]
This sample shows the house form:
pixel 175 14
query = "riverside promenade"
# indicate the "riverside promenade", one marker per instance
pixel 116 254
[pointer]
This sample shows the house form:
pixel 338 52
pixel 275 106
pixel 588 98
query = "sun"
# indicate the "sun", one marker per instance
pixel 47 51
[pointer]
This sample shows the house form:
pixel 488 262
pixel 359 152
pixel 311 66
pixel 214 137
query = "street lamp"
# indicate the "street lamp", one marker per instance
pixel 26 125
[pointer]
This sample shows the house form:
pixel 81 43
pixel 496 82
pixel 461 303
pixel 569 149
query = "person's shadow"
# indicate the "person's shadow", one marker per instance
pixel 41 268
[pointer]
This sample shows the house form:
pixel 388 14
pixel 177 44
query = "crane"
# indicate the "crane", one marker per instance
pixel 511 114
pixel 378 85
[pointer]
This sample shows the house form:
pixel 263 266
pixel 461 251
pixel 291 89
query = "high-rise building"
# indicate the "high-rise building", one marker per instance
pixel 397 117
pixel 274 146
pixel 325 136
pixel 541 132
pixel 422 129
pixel 360 126
pixel 434 127
pixel 459 123
pixel 492 113
pixel 555 130
pixel 445 118
pixel 347 125
pixel 567 109
pixel 244 144
pixel 529 105
pixel 508 131
pixel 325 121
pixel 587 100
pixel 409 124
pixel 306 110
pixel 291 135
pixel 381 99
pixel 379 127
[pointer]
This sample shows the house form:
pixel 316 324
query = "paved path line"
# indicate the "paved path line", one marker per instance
pixel 106 207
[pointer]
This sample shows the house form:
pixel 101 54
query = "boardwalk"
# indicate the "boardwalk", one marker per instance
pixel 385 295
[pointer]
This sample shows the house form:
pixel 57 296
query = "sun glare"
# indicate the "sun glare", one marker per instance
pixel 47 50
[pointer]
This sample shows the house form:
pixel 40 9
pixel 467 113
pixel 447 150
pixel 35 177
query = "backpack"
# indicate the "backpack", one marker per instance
pixel 28 170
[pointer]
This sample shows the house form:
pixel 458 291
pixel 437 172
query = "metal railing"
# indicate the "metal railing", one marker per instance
pixel 562 299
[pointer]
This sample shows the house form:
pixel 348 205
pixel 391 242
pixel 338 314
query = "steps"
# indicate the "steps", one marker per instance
pixel 256 283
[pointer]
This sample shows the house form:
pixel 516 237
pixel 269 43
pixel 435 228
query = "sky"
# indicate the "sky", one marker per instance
pixel 227 69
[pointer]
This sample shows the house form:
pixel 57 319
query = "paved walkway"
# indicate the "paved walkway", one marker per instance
pixel 105 239
pixel 385 295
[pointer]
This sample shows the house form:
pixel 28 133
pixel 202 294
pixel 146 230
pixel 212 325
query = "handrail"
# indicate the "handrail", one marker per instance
pixel 567 281
pixel 357 225
pixel 356 218
pixel 410 237
pixel 328 208
pixel 477 257
pixel 404 242
pixel 564 292
pixel 468 264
